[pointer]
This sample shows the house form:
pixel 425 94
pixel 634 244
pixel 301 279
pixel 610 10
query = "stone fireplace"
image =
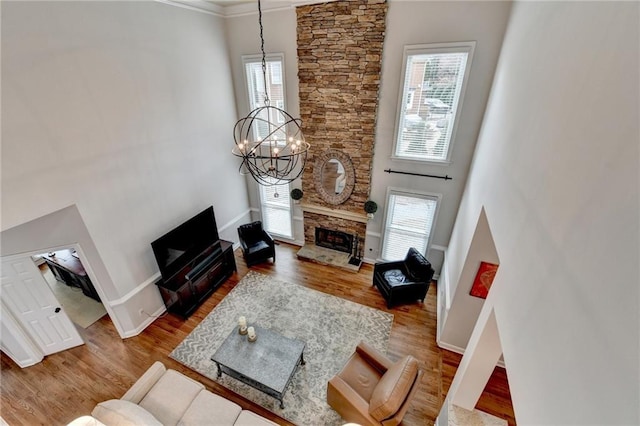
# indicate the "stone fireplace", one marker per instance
pixel 339 62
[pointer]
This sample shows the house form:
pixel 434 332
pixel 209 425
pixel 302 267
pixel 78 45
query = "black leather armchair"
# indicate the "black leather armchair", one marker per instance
pixel 403 281
pixel 256 243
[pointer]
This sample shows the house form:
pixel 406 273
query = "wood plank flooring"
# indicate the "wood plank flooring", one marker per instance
pixel 69 384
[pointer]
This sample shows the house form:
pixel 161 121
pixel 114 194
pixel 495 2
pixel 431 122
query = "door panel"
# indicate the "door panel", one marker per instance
pixel 26 293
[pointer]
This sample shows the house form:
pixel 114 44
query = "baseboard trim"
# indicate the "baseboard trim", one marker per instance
pixel 235 220
pixel 146 323
pixel 461 351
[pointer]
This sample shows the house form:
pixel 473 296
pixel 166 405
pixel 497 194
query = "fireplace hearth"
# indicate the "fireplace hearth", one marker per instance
pixel 334 240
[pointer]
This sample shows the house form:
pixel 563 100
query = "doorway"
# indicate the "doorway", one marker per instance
pixel 66 277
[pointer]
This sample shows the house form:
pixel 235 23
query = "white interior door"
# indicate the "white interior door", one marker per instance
pixel 28 296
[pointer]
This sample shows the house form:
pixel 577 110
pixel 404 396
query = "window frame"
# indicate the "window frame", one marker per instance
pixel 284 193
pixel 271 57
pixel 257 58
pixel 432 48
pixel 415 194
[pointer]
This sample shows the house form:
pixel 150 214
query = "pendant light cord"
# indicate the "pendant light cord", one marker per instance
pixel 264 56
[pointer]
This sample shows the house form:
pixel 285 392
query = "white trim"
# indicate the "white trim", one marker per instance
pixel 298 218
pixel 196 6
pixel 416 49
pixel 438 248
pixel 235 220
pixel 146 323
pixel 445 163
pixel 461 351
pixel 124 299
pixel 342 214
pixel 374 234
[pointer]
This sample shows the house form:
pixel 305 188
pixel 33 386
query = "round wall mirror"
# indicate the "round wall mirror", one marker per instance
pixel 334 176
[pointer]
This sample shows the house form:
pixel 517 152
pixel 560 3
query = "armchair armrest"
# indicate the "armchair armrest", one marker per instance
pixel 348 403
pixel 268 238
pixel 374 357
pixel 385 266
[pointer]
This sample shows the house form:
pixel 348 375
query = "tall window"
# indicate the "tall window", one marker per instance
pixel 434 80
pixel 276 210
pixel 409 221
pixel 256 87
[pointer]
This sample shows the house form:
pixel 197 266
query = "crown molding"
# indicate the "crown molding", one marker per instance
pixel 236 10
pixel 196 6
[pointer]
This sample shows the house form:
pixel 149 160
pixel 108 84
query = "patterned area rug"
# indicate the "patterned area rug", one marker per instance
pixel 330 326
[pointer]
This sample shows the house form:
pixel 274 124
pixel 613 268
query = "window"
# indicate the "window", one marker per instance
pixel 276 210
pixel 433 86
pixel 256 87
pixel 409 221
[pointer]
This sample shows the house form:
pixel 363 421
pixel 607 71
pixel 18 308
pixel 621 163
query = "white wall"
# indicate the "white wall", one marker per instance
pixel 280 35
pixel 424 22
pixel 556 170
pixel 125 110
pixel 416 22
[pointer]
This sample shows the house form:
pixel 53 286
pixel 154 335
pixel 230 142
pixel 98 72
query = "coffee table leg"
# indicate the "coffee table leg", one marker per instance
pixel 281 404
pixel 219 370
pixel 302 359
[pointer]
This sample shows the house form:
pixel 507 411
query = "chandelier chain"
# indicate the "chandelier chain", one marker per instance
pixel 264 56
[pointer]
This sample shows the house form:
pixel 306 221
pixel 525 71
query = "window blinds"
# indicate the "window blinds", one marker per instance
pixel 409 222
pixel 433 81
pixel 276 211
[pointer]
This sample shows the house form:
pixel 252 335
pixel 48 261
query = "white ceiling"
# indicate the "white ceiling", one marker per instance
pixel 238 7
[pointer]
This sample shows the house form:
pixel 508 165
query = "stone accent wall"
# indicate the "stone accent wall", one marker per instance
pixel 313 220
pixel 339 63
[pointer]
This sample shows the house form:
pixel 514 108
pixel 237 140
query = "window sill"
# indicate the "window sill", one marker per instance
pixel 422 161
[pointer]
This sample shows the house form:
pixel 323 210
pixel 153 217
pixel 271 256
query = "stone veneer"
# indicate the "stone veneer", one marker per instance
pixel 339 62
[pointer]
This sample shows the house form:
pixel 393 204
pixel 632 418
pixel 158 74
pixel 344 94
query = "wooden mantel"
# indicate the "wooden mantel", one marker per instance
pixel 342 214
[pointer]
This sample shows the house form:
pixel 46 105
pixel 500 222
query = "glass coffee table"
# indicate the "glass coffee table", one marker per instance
pixel 268 364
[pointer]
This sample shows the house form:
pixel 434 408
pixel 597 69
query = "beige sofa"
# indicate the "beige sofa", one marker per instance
pixel 164 397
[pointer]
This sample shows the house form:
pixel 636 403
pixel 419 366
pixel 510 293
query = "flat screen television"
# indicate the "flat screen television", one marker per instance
pixel 178 247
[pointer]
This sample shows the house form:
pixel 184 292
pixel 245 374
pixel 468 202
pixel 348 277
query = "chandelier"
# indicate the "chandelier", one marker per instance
pixel 269 140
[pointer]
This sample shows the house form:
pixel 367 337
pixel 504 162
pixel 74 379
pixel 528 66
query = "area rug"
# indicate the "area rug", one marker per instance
pixel 330 326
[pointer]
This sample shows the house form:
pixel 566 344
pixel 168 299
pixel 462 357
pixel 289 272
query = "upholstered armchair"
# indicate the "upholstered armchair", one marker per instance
pixel 403 281
pixel 373 390
pixel 256 243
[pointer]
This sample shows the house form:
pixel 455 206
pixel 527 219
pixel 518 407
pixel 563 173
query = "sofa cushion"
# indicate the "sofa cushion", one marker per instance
pixel 169 399
pixel 86 421
pixel 209 408
pixel 249 418
pixel 257 246
pixel 393 388
pixel 118 412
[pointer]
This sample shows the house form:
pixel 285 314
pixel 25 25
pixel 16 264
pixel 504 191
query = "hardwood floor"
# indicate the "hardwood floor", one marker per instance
pixel 69 384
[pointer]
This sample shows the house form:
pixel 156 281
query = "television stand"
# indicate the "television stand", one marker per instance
pixel 193 284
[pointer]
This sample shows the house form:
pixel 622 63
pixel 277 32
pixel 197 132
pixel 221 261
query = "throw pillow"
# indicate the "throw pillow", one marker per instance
pixel 118 412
